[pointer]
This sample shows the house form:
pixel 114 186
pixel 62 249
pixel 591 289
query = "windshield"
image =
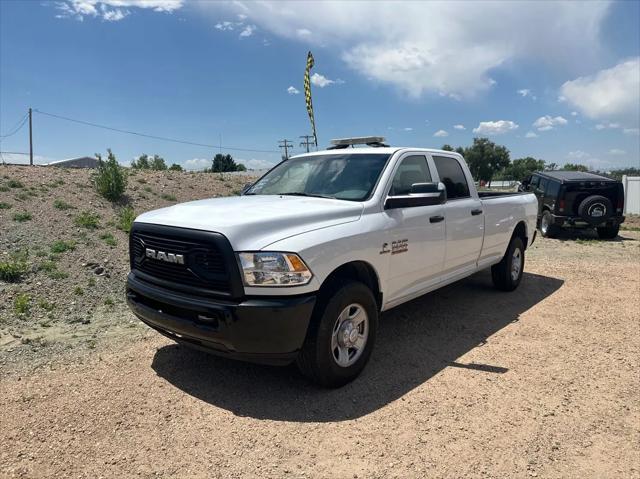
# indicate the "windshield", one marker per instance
pixel 341 176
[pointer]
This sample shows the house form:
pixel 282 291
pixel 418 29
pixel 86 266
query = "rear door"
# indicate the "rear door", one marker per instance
pixel 464 218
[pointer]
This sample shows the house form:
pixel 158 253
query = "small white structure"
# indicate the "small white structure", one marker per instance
pixel 81 162
pixel 631 194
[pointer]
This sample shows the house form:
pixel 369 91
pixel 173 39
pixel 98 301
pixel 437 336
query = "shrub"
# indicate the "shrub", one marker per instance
pixel 14 184
pixel 108 302
pixel 62 205
pixel 56 183
pixel 62 246
pixel 46 305
pixel 4 206
pixel 87 219
pixel 176 167
pixel 22 196
pixel 22 304
pixel 125 219
pixel 13 269
pixel 22 216
pixel 108 239
pixel 168 197
pixel 110 179
pixel 78 291
pixel 51 269
pixel 4 188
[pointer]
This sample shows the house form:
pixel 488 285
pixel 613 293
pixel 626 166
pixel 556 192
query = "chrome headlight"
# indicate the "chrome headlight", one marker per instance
pixel 273 269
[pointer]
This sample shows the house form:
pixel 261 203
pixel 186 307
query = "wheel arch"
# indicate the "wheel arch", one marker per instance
pixel 358 270
pixel 520 231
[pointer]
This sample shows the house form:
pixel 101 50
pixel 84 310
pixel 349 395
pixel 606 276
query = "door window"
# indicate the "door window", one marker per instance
pixel 542 186
pixel 534 182
pixel 413 169
pixel 452 176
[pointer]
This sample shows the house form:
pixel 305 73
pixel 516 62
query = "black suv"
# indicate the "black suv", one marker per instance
pixel 573 199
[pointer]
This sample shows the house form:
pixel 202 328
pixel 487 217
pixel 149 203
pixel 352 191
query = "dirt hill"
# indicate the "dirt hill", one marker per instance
pixel 63 251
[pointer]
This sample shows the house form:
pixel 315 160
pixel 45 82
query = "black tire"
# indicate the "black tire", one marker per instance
pixel 595 209
pixel 547 228
pixel 316 359
pixel 608 232
pixel 501 273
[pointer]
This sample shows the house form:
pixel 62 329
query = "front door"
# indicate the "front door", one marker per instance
pixel 415 235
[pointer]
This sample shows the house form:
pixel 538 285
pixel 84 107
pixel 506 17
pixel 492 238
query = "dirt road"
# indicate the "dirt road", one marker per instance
pixel 464 382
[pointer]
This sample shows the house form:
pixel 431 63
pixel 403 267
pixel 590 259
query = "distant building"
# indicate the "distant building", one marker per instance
pixel 81 162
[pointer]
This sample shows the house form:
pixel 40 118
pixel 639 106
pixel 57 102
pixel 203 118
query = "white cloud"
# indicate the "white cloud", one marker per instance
pixel 574 113
pixel 225 26
pixel 255 164
pixel 610 93
pixel 617 152
pixel 111 10
pixel 577 155
pixel 607 126
pixel 293 90
pixel 197 164
pixel 525 92
pixel 454 56
pixel 303 32
pixel 322 81
pixel 631 131
pixel 247 31
pixel 408 129
pixel 531 134
pixel 440 134
pixel 459 127
pixel 547 122
pixel 495 127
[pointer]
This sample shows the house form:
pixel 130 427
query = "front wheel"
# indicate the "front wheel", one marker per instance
pixel 341 335
pixel 507 274
pixel 547 228
pixel 608 232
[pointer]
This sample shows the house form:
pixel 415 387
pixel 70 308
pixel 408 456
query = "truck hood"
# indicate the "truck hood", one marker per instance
pixel 254 222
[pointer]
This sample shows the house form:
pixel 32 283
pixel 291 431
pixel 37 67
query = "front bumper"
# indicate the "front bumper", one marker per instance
pixel 268 330
pixel 579 222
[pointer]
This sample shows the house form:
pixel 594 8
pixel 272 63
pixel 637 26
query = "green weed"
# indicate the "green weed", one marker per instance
pixel 21 217
pixel 87 219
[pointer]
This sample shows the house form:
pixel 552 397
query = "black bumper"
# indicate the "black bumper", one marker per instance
pixel 579 222
pixel 267 330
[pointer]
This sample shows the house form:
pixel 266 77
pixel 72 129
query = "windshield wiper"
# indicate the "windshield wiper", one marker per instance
pixel 312 195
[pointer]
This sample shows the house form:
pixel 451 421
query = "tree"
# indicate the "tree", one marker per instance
pixel 574 167
pixel 223 163
pixel 158 163
pixel 485 158
pixel 522 168
pixel 551 167
pixel 109 179
pixel 142 163
pixel 447 147
pixel 176 167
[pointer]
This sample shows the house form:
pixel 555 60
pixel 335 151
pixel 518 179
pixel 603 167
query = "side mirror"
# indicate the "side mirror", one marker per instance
pixel 421 194
pixel 245 188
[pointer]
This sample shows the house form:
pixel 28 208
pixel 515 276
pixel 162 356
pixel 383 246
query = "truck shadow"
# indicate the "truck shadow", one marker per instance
pixel 415 342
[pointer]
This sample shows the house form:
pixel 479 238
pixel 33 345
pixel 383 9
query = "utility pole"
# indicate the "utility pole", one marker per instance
pixel 286 144
pixel 307 141
pixel 30 140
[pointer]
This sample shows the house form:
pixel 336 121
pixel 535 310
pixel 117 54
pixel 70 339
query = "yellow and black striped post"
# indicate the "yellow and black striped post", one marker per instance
pixel 307 95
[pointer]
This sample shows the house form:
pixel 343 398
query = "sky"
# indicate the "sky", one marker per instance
pixel 557 81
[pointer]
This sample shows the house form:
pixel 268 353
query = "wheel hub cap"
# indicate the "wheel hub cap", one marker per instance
pixel 516 264
pixel 350 335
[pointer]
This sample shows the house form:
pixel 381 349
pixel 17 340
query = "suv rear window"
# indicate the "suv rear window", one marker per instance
pixel 452 176
pixel 553 189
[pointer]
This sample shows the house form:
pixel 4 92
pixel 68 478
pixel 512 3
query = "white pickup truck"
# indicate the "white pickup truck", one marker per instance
pixel 300 266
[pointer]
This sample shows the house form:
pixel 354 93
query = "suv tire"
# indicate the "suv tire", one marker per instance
pixel 608 232
pixel 346 315
pixel 547 228
pixel 507 274
pixel 593 204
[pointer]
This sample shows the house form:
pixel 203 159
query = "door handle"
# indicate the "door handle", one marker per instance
pixel 436 219
pixel 476 212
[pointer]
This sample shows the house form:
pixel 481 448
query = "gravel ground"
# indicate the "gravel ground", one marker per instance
pixel 464 382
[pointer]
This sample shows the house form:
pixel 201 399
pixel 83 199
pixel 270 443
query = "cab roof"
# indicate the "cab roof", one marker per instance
pixel 388 150
pixel 568 176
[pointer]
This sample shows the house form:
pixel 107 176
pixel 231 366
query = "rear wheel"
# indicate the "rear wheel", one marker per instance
pixel 547 228
pixel 608 232
pixel 507 274
pixel 341 335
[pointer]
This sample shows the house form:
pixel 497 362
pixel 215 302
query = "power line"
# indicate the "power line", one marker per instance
pixel 285 144
pixel 155 137
pixel 17 128
pixel 307 141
